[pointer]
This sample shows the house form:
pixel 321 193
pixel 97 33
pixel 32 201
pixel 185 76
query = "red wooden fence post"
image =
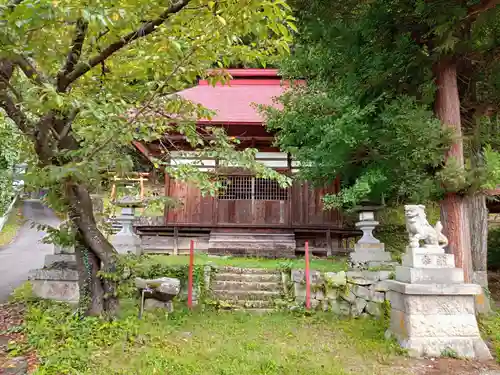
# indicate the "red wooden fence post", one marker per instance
pixel 308 278
pixel 190 276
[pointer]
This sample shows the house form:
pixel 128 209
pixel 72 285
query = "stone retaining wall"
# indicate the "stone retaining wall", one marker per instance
pixel 351 293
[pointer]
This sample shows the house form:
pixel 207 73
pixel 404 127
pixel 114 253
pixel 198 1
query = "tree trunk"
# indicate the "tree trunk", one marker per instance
pixel 91 290
pixel 454 213
pixel 94 253
pixel 479 241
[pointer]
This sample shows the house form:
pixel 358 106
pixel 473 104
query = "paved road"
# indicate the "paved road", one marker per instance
pixel 26 252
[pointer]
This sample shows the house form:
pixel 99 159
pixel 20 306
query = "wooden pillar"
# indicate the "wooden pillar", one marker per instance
pixel 167 193
pixel 328 243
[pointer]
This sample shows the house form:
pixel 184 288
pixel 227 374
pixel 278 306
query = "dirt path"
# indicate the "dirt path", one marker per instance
pixel 26 252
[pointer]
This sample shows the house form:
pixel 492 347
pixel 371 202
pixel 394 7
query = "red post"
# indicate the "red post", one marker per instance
pixel 308 278
pixel 190 276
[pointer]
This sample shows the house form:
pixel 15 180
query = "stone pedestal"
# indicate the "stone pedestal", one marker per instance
pixel 368 251
pixel 126 241
pixel 432 309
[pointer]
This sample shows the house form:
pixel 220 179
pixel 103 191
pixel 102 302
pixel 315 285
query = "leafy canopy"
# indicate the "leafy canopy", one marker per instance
pixel 82 79
pixel 366 113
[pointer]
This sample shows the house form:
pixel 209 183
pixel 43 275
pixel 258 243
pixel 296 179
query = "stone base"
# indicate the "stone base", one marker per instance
pixel 55 284
pixel 57 290
pixel 153 304
pixel 429 275
pixel 127 243
pixel 436 319
pixel 462 347
pixel 63 260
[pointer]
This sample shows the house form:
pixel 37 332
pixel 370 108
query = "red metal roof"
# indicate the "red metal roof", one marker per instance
pixel 235 101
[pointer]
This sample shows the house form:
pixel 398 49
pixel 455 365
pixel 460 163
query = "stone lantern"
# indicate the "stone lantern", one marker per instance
pixel 126 241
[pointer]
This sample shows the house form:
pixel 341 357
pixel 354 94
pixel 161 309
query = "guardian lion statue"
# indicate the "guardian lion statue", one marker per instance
pixel 419 229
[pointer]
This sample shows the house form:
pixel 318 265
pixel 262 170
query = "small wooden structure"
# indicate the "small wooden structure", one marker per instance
pixel 251 216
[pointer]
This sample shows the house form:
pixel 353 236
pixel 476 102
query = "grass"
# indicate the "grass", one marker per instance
pixel 12 226
pixel 207 342
pixel 490 329
pixel 333 264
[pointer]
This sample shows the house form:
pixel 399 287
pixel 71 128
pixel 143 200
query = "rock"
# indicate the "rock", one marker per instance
pixel 358 306
pixel 15 366
pixel 314 304
pixel 362 277
pixel 381 286
pixel 325 305
pixel 361 292
pixel 299 291
pixel 332 294
pixel 374 309
pixel 377 296
pixel 340 307
pixel 385 275
pixel 336 279
pixel 153 304
pixel 299 276
pixel 319 295
pixel 348 294
pixel 163 289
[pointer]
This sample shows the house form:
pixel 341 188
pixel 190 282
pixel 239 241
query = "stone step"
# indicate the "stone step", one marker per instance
pixel 253 271
pixel 263 278
pixel 235 295
pixel 249 304
pixel 246 286
pixel 256 311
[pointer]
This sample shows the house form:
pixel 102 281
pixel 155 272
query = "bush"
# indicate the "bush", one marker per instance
pixel 494 248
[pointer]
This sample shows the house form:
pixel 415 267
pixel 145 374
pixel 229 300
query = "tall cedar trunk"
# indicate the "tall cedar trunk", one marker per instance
pixel 98 250
pixel 454 213
pixel 479 239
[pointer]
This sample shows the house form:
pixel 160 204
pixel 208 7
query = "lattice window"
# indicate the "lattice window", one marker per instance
pixel 248 187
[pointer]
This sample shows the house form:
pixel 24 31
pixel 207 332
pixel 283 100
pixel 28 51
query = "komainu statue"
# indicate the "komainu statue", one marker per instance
pixel 419 229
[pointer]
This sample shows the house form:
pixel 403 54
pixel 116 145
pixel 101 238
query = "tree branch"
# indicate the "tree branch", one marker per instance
pixel 144 30
pixel 482 7
pixel 76 50
pixel 29 70
pixel 15 113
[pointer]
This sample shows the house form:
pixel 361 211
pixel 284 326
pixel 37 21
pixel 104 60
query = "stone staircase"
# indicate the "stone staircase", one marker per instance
pixel 249 289
pixel 257 244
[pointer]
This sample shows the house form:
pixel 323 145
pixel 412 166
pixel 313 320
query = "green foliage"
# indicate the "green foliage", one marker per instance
pixel 489 326
pixel 10 141
pixel 90 78
pixel 494 248
pixel 205 343
pixel 366 113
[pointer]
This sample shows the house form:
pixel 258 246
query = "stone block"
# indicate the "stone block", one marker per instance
pixel 332 293
pixel 126 243
pixel 335 279
pixel 434 289
pixel 63 274
pixel 377 296
pixel 373 247
pixel 339 307
pixel 153 304
pixel 369 256
pixel 424 260
pixel 434 305
pixel 299 276
pixel 433 325
pixel 348 295
pixel 464 347
pixel 361 292
pixel 299 291
pixel 61 260
pixel 381 286
pixel 429 275
pixel 318 294
pixel 57 290
pixel 163 289
pixel 358 306
pixel 359 278
pixel 385 275
pixel 374 309
pixel 64 249
pixel 315 304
